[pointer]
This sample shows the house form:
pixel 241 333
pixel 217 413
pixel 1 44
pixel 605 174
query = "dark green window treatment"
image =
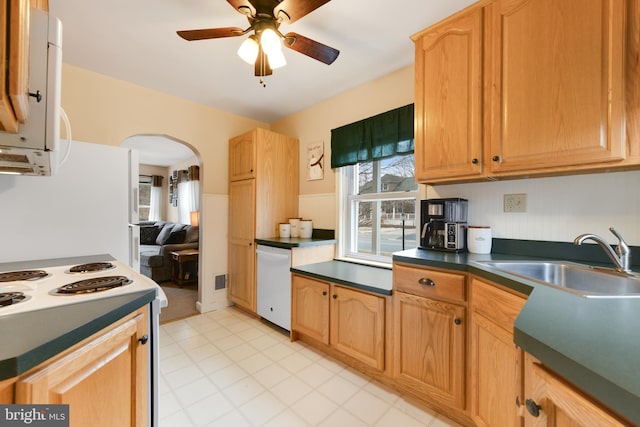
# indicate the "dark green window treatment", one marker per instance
pixel 384 135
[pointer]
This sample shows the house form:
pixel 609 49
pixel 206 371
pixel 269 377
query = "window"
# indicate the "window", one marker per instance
pixel 379 208
pixel 144 197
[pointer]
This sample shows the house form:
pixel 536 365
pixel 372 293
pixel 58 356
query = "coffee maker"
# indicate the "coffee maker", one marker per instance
pixel 443 224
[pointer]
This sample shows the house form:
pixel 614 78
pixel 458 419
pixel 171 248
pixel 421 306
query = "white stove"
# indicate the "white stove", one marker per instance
pixel 38 287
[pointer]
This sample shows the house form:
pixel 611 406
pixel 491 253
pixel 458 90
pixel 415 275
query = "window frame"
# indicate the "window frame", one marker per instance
pixel 348 214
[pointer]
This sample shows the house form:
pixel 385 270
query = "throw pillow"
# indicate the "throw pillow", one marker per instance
pixel 149 234
pixel 164 234
pixel 192 234
pixel 176 237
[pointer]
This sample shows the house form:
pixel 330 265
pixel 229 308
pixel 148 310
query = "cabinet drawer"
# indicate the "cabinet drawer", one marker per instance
pixel 495 303
pixel 429 283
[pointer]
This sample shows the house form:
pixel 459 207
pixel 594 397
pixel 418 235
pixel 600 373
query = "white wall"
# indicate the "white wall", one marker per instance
pixel 558 208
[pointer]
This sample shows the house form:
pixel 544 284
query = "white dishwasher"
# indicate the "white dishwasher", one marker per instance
pixel 274 285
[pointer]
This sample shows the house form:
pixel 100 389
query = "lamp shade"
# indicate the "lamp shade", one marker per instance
pixel 276 59
pixel 270 42
pixel 195 218
pixel 248 50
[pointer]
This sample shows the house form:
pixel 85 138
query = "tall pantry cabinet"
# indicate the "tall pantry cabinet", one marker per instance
pixel 263 191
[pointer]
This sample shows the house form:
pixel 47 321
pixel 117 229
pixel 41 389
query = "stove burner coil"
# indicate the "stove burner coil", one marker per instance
pixel 97 284
pixel 9 298
pixel 13 276
pixel 92 266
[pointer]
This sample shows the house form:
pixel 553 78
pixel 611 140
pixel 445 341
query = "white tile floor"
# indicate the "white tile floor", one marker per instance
pixel 226 368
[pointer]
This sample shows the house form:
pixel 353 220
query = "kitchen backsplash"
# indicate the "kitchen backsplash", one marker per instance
pixel 557 208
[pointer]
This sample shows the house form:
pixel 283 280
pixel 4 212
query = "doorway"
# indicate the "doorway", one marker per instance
pixel 170 192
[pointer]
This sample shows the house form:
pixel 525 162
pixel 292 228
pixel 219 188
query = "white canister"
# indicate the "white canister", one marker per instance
pixel 306 228
pixel 295 226
pixel 285 229
pixel 479 239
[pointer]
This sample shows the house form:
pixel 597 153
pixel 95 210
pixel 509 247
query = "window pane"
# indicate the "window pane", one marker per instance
pixel 145 194
pixel 397 174
pixel 367 183
pixel 395 215
pixel 143 214
pixel 364 238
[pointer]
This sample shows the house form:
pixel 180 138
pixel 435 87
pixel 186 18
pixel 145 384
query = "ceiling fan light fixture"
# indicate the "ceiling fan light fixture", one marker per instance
pixel 270 41
pixel 248 50
pixel 276 59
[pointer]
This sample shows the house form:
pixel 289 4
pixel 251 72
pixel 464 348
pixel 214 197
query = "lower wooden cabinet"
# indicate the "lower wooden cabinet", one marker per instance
pixel 310 308
pixel 348 321
pixel 104 379
pixel 357 322
pixel 496 362
pixel 430 347
pixel 550 401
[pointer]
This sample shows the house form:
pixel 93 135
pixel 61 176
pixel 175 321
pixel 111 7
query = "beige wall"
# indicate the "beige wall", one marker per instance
pixel 318 198
pixel 315 123
pixel 104 110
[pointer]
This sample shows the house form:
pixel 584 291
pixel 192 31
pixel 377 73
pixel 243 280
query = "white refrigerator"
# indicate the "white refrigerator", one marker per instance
pixel 89 207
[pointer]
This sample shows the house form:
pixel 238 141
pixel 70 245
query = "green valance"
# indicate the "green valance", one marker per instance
pixel 384 135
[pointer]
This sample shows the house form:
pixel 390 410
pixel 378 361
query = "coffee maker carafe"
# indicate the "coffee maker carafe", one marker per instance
pixel 443 224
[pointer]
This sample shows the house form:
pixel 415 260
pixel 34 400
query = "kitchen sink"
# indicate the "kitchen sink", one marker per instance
pixel 591 282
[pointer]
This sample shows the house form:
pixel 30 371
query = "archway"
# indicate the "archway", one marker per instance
pixel 171 159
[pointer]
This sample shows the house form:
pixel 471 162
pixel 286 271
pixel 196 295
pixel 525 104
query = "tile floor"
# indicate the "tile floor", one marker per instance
pixel 226 368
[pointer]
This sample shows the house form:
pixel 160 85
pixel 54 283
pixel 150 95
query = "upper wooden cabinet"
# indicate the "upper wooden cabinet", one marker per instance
pixel 448 99
pixel 14 57
pixel 513 88
pixel 263 191
pixel 555 71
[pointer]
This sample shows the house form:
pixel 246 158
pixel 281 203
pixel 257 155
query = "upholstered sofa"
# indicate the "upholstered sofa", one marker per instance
pixel 157 240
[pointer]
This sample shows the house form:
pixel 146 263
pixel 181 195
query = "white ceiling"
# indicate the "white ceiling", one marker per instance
pixel 136 41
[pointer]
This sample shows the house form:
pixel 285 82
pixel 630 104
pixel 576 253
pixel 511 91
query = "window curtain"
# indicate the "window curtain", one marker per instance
pixel 384 135
pixel 156 198
pixel 188 193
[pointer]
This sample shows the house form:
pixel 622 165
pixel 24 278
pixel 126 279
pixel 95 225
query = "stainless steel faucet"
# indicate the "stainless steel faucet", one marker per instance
pixel 622 255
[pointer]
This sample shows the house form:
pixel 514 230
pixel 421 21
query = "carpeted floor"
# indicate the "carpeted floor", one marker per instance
pixel 182 302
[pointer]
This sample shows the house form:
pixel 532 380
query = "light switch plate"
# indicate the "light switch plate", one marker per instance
pixel 515 202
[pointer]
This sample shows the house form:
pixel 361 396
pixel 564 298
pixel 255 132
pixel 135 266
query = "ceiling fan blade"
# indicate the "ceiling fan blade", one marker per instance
pixel 296 9
pixel 243 6
pixel 311 48
pixel 261 66
pixel 210 33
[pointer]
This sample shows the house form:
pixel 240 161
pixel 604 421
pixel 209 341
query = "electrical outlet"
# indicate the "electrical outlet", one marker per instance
pixel 515 202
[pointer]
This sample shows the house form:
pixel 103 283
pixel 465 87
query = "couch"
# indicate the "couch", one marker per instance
pixel 157 240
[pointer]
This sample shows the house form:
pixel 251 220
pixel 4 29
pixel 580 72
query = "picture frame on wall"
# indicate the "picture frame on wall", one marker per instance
pixel 315 161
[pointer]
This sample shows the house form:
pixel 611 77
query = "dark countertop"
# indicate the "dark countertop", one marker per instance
pixel 367 278
pixel 592 342
pixel 32 337
pixel 294 242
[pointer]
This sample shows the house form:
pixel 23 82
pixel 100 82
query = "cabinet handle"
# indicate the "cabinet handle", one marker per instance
pixel 250 244
pixel 474 161
pixel 532 407
pixel 426 281
pixel 324 293
pixel 496 158
pixel 335 296
pixel 457 321
pixel 144 339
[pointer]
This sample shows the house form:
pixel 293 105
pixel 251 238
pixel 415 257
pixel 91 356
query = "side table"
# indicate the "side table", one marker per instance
pixel 182 275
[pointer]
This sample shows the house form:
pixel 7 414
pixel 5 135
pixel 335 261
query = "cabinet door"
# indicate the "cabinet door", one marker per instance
pixel 559 403
pixel 496 362
pixel 241 255
pixel 242 156
pixel 310 308
pixel 430 346
pixel 357 325
pixel 448 100
pixel 556 83
pixel 104 381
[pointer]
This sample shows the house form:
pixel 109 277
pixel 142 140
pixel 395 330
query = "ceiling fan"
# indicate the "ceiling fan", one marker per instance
pixel 263 48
